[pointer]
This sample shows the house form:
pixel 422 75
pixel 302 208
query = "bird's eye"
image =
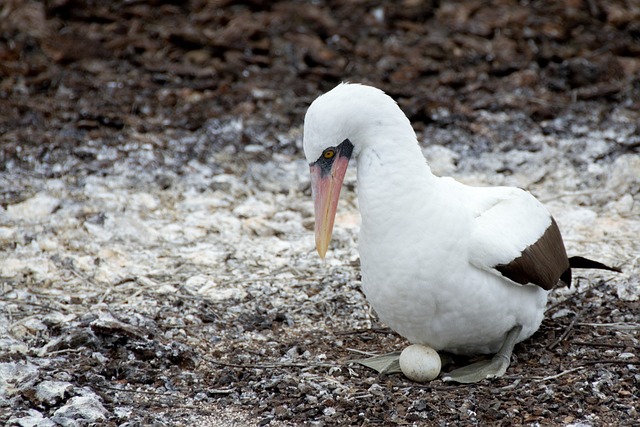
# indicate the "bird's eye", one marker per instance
pixel 329 153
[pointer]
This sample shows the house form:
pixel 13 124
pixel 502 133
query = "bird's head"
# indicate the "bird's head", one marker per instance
pixel 339 125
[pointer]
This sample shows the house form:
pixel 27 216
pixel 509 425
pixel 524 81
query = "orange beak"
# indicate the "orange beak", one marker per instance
pixel 325 187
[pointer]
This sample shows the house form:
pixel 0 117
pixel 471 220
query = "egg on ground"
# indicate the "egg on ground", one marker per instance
pixel 420 363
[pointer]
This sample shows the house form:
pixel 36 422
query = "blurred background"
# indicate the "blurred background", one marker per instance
pixel 79 75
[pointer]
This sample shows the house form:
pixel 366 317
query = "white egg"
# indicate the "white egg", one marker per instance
pixel 420 363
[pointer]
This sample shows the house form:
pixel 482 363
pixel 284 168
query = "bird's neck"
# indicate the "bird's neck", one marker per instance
pixel 393 178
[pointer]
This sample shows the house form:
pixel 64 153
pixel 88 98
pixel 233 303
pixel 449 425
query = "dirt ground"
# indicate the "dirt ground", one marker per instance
pixel 157 264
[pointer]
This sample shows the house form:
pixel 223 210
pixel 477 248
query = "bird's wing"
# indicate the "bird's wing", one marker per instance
pixel 514 236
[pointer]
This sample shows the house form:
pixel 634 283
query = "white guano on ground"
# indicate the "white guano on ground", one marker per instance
pixel 115 236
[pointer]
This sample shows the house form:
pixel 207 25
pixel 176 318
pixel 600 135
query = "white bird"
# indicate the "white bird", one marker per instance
pixel 460 269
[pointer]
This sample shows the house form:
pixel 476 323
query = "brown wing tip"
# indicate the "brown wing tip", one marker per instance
pixel 542 263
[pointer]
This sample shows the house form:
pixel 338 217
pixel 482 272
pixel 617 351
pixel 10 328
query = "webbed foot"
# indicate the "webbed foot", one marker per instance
pixel 383 364
pixel 493 368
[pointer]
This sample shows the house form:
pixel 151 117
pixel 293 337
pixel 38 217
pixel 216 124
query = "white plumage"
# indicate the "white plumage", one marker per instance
pixel 430 247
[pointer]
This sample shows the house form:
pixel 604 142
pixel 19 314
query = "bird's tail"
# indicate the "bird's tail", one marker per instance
pixel 581 262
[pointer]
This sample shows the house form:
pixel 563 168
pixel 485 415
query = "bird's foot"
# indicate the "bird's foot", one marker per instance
pixel 383 364
pixel 494 368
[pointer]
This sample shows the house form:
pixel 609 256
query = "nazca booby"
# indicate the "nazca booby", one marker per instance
pixel 460 269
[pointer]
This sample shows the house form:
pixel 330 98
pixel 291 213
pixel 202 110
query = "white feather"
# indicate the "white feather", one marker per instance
pixel 428 244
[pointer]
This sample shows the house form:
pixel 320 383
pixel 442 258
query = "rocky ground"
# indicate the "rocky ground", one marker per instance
pixel 157 264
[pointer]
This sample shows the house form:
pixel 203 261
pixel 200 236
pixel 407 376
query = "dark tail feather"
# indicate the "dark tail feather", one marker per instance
pixel 581 262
